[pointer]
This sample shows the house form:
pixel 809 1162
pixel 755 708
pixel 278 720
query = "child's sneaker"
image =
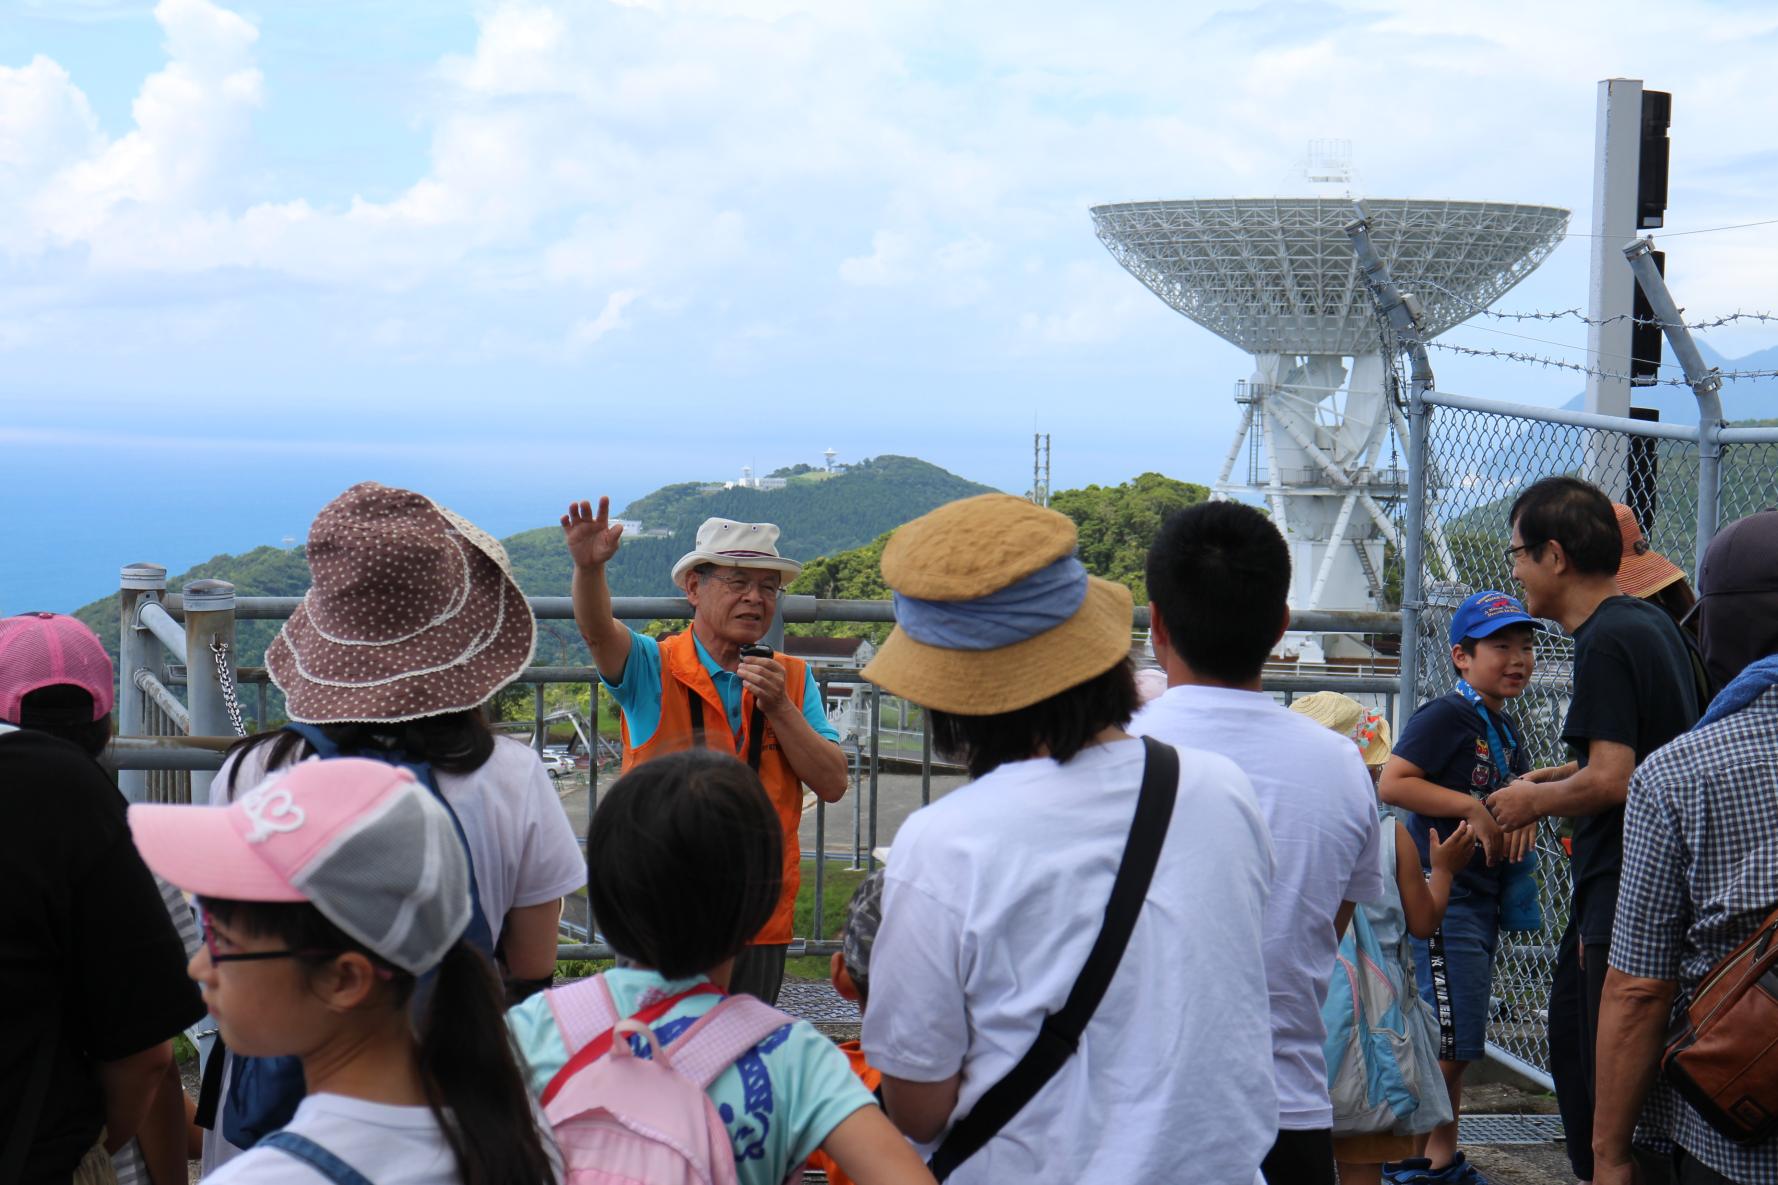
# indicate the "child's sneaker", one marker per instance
pixel 1413 1171
pixel 1418 1170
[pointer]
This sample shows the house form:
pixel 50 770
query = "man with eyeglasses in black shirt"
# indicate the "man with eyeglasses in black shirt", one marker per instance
pixel 1633 692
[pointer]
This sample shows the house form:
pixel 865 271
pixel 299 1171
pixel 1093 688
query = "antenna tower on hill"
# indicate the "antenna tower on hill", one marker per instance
pixel 1040 468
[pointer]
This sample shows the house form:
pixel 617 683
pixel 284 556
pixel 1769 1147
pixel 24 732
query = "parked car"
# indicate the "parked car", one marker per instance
pixel 558 764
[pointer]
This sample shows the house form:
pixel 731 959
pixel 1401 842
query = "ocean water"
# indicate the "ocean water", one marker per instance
pixel 70 517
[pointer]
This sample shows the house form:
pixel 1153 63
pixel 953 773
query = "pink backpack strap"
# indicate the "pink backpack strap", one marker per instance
pixel 582 1010
pixel 720 1036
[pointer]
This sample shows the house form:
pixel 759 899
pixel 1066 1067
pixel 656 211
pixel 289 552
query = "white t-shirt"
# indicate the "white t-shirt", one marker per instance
pixel 387 1144
pixel 524 848
pixel 1321 810
pixel 523 845
pixel 992 899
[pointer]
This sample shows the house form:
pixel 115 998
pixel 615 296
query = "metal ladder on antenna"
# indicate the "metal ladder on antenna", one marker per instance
pixel 1370 571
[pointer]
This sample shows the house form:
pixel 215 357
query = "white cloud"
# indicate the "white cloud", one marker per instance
pixel 611 317
pixel 859 162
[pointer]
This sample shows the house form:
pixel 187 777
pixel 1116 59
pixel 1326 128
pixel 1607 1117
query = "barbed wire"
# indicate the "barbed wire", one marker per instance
pixel 1580 315
pixel 1671 234
pixel 1727 376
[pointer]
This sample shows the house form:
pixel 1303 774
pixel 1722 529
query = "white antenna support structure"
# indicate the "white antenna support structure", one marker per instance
pixel 1278 278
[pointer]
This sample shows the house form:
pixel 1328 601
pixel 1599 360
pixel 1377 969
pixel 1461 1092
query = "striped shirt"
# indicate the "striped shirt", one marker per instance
pixel 1700 874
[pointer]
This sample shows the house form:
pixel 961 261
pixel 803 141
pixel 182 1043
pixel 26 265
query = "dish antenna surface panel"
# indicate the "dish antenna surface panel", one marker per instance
pixel 1277 275
pixel 1278 278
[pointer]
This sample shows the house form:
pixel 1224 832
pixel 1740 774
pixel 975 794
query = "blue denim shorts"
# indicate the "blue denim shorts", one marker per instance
pixel 1455 973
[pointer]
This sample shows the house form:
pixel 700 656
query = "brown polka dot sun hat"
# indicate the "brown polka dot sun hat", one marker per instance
pixel 412 612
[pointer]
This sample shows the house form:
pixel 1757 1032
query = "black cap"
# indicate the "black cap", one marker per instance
pixel 1737 609
pixel 1742 557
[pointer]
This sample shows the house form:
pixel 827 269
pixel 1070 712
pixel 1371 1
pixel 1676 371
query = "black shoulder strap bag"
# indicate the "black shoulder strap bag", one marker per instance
pixel 1059 1036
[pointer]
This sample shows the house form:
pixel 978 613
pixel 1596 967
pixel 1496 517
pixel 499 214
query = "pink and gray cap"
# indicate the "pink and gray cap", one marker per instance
pixel 39 650
pixel 361 841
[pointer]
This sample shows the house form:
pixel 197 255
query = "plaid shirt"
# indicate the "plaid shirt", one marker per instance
pixel 1700 875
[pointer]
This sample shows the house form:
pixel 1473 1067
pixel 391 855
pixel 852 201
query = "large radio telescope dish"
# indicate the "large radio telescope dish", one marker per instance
pixel 1279 278
pixel 1278 275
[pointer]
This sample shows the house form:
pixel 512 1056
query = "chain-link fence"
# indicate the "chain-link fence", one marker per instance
pixel 1478 457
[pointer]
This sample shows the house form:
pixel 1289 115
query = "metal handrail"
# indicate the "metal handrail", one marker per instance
pixel 157 621
pixel 165 700
pixel 803 610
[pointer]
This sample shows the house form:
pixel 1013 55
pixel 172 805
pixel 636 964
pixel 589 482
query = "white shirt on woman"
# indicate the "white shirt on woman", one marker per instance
pixel 993 896
pixel 525 850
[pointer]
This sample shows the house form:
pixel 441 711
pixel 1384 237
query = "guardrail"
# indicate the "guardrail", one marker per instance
pixel 187 639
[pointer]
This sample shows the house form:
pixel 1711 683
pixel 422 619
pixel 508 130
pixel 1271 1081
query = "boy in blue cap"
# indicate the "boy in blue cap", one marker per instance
pixel 1455 751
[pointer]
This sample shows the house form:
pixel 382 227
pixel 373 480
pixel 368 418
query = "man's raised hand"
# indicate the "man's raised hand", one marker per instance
pixel 592 540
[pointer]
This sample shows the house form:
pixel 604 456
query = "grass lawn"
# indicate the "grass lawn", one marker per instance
pixel 837 885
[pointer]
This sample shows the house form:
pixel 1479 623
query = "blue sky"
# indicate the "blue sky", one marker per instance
pixel 516 253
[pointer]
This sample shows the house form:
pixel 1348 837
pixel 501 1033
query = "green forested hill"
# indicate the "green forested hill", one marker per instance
pixel 1116 524
pixel 816 517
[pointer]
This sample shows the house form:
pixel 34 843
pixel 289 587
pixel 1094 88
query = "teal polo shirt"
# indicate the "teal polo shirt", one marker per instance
pixel 639 694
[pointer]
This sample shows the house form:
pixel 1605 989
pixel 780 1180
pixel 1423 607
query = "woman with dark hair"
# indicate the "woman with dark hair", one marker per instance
pixel 998 898
pixel 328 891
pixel 412 622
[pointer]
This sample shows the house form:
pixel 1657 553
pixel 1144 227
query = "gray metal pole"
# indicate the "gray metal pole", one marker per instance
pixel 925 757
pixel 775 633
pixel 209 623
pixel 1706 383
pixel 1617 156
pixel 135 583
pixel 815 920
pixel 876 732
pixel 537 718
pixel 1413 551
pixel 1401 313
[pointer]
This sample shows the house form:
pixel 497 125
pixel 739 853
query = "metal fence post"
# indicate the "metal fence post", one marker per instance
pixel 209 625
pixel 1400 314
pixel 136 582
pixel 1413 556
pixel 1706 384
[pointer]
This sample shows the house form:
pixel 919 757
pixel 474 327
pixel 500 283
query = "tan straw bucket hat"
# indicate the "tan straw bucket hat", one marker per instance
pixel 413 612
pixel 1361 725
pixel 1642 572
pixel 993 611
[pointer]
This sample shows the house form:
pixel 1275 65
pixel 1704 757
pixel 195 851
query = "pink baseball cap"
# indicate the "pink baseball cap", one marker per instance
pixel 362 841
pixel 39 650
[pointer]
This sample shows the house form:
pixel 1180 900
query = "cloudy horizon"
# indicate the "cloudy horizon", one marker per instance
pixel 516 253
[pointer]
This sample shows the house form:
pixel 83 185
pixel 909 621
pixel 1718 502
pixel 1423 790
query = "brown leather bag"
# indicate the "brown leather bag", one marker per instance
pixel 1723 1054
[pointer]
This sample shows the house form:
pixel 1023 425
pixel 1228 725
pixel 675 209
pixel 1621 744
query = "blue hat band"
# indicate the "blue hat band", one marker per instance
pixel 1020 611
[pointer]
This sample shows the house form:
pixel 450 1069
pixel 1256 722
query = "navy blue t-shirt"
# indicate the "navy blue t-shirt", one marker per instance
pixel 1448 740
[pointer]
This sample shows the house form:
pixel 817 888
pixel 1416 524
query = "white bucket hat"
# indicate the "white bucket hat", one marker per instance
pixel 729 544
